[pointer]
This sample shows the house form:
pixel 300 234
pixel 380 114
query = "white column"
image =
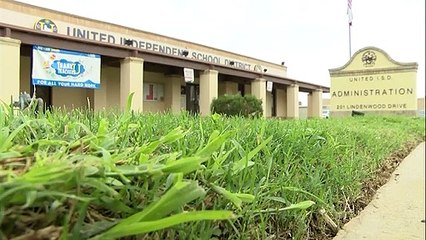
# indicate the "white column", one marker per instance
pixel 281 101
pixel 10 53
pixel 173 96
pixel 316 103
pixel 293 101
pixel 208 90
pixel 309 110
pixel 100 95
pixel 258 89
pixel 131 80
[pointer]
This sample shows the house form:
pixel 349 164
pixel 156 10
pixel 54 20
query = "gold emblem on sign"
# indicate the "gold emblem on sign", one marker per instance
pixel 258 68
pixel 369 58
pixel 46 25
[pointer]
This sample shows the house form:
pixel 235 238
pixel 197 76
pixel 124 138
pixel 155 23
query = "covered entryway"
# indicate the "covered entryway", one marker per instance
pixel 148 65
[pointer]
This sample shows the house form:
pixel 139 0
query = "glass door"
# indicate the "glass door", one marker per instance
pixel 192 98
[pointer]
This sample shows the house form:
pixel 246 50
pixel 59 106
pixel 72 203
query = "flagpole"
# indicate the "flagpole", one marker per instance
pixel 349 12
pixel 350 48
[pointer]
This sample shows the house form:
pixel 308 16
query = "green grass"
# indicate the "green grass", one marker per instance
pixel 81 175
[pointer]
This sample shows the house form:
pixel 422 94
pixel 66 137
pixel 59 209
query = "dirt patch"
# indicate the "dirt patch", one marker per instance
pixel 397 208
pixel 381 177
pixel 369 189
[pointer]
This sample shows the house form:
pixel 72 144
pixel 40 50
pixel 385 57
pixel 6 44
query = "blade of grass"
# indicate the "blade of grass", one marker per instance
pixel 150 226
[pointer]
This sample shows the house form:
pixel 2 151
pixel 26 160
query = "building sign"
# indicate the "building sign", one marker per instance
pixel 136 39
pixel 145 44
pixel 372 81
pixel 64 68
pixel 269 86
pixel 188 74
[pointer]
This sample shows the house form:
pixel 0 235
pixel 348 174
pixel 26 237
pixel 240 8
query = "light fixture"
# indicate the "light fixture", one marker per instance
pixel 128 42
pixel 185 53
pixel 231 63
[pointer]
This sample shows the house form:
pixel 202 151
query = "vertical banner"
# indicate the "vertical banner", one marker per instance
pixel 64 68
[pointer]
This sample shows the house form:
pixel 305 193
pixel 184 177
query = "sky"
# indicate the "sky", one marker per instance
pixel 310 36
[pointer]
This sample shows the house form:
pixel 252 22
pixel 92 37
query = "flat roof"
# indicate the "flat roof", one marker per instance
pixel 18 20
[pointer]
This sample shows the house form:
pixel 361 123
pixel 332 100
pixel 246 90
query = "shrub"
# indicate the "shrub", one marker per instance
pixel 237 105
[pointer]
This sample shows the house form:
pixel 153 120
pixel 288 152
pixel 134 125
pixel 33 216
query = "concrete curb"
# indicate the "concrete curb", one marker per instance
pixel 398 208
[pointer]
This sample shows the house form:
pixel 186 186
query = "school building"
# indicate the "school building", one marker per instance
pixel 48 50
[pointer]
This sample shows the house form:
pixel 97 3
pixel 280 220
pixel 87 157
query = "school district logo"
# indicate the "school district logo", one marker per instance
pixel 46 25
pixel 258 68
pixel 369 58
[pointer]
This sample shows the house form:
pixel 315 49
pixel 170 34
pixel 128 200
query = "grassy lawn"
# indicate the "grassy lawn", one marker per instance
pixel 106 175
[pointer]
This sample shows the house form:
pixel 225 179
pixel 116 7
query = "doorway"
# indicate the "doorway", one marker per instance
pixel 274 102
pixel 45 93
pixel 192 92
pixel 241 89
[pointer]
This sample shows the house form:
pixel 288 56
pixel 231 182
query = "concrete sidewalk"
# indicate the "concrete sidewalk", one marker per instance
pixel 398 208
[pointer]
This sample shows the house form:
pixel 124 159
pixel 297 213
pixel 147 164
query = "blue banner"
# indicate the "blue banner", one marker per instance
pixel 65 68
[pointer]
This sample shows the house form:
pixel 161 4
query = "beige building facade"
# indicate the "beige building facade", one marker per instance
pixel 371 81
pixel 149 65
